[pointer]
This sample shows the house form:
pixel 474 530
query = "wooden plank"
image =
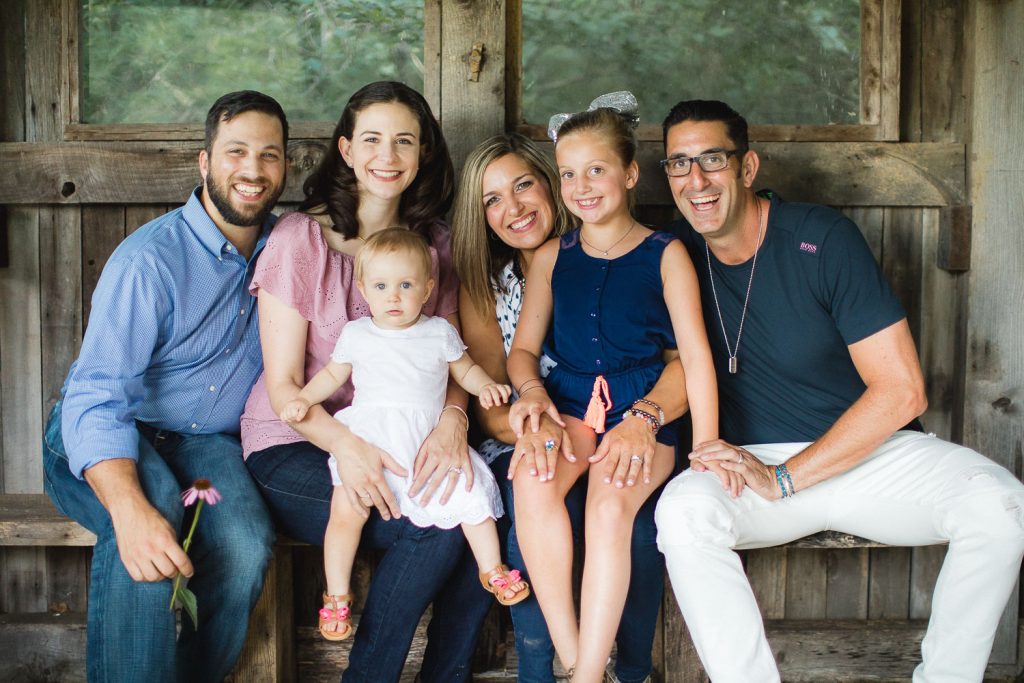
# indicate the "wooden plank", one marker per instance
pixel 925 564
pixel 472 110
pixel 431 55
pixel 889 583
pixel 806 584
pixel 767 571
pixel 911 72
pixel 122 173
pixel 148 132
pixel 67 578
pixel 12 70
pixel 901 261
pixel 995 359
pixel 269 652
pixel 681 661
pixel 20 371
pixel 29 519
pixel 842 174
pixel 60 298
pixel 846 584
pixel 831 132
pixel 137 216
pixel 944 59
pixel 954 239
pixel 514 66
pixel 43 647
pixel 871 221
pixel 103 230
pixel 871 45
pixel 941 342
pixel 889 95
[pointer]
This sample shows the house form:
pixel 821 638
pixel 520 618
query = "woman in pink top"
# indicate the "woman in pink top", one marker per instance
pixel 387 166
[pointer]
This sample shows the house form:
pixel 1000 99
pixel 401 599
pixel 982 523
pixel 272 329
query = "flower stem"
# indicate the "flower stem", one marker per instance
pixel 185 546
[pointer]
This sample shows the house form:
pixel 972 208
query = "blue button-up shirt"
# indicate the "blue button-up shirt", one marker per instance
pixel 172 339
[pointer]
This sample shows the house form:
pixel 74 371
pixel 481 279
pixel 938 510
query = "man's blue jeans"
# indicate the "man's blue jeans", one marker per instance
pixel 131 630
pixel 635 637
pixel 420 565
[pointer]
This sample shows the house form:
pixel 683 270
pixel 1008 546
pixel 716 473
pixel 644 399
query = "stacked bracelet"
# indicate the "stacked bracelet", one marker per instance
pixel 784 480
pixel 522 387
pixel 652 422
pixel 657 408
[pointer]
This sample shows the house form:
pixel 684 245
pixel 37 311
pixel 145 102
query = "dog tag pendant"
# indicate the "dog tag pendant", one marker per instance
pixel 733 365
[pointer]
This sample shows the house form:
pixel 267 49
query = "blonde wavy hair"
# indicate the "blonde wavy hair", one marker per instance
pixel 478 254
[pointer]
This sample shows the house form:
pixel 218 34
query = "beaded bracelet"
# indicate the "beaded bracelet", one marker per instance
pixel 784 480
pixel 651 420
pixel 657 408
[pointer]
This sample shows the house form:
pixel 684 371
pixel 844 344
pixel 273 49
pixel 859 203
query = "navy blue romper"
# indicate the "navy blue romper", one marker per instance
pixel 609 318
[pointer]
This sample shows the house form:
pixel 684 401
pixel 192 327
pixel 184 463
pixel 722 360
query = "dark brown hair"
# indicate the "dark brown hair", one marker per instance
pixel 333 184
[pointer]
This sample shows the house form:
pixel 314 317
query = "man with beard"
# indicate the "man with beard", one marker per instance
pixel 152 405
pixel 820 389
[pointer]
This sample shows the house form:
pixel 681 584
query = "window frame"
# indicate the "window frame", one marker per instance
pixel 78 131
pixel 880 22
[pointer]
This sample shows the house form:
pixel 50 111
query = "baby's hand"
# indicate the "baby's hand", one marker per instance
pixel 494 395
pixel 295 410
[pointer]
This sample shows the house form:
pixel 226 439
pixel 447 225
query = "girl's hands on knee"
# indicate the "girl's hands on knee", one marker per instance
pixel 529 408
pixel 538 451
pixel 443 459
pixel 628 451
pixel 492 395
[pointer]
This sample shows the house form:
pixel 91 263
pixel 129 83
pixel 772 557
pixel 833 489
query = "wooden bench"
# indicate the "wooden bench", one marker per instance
pixel 838 651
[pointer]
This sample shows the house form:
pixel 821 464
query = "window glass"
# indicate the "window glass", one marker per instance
pixel 161 61
pixel 774 61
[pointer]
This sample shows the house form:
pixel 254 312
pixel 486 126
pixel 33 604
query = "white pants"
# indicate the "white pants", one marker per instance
pixel 914 490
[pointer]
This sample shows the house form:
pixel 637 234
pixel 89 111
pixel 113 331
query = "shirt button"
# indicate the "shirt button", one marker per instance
pixel 227 350
pixel 195 426
pixel 213 388
pixel 598 361
pixel 242 312
pixel 593 315
pixel 593 339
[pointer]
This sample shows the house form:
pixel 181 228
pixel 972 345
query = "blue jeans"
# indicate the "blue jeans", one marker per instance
pixel 420 565
pixel 131 630
pixel 635 637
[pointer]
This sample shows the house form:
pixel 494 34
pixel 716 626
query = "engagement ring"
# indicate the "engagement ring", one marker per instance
pixel 636 458
pixel 549 445
pixel 457 470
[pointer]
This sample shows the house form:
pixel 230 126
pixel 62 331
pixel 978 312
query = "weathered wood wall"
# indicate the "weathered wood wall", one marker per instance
pixel 961 108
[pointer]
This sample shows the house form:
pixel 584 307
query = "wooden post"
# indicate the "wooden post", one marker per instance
pixel 995 331
pixel 472 110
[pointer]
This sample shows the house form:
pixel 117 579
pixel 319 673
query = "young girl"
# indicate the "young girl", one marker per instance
pixel 399 361
pixel 619 299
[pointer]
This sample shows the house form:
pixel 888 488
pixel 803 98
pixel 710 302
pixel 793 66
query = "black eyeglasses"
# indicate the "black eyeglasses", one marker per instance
pixel 710 162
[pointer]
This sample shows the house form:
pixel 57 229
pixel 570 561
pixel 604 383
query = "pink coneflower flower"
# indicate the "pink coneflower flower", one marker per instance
pixel 202 490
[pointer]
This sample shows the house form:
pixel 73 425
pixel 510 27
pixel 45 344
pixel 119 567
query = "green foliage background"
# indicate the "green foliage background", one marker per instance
pixel 776 61
pixel 164 61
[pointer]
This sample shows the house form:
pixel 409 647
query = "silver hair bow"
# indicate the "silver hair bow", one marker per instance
pixel 621 102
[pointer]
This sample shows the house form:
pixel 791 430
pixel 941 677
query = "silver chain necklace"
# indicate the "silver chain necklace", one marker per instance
pixel 604 252
pixel 733 363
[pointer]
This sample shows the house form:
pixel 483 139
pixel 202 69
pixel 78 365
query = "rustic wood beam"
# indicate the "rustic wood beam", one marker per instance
pixel 839 174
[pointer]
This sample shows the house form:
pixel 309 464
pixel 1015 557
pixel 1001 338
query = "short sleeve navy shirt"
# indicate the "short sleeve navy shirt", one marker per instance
pixel 817 289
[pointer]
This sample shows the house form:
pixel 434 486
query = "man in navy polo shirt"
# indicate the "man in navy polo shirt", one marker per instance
pixel 820 388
